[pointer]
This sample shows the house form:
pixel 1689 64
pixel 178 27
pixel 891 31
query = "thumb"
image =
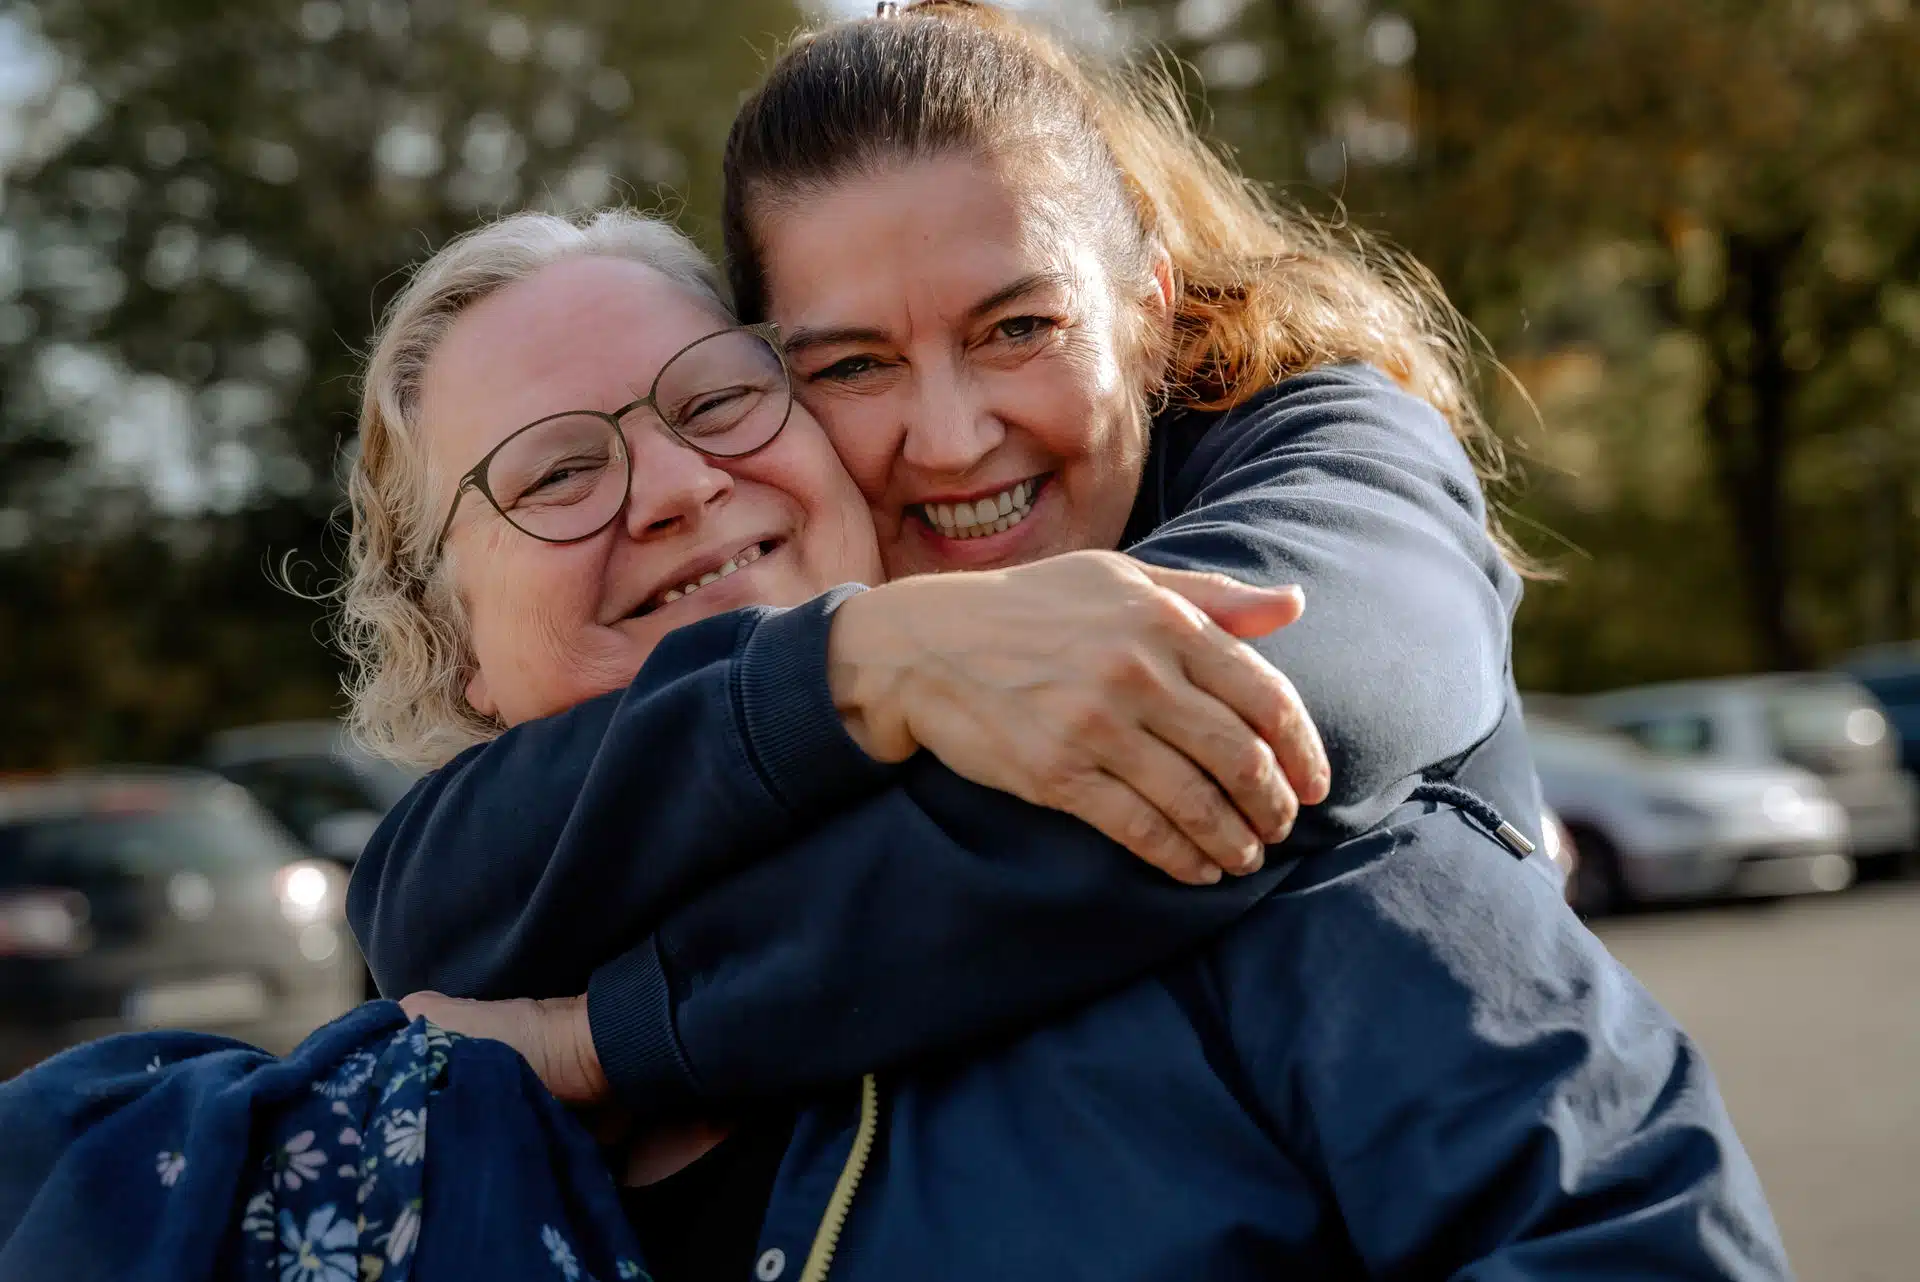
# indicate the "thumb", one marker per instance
pixel 1243 609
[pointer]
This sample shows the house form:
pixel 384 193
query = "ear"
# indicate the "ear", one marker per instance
pixel 1157 307
pixel 1161 298
pixel 479 698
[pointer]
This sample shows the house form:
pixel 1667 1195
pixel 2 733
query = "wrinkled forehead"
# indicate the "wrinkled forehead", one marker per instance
pixel 929 236
pixel 582 334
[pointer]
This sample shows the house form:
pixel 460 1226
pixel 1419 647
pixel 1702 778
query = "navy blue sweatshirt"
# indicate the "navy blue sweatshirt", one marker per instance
pixel 754 906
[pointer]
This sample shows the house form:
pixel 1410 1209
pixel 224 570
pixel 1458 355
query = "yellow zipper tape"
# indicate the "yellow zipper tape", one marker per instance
pixel 840 1205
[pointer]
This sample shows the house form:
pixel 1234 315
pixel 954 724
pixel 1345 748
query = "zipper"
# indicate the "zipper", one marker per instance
pixel 840 1205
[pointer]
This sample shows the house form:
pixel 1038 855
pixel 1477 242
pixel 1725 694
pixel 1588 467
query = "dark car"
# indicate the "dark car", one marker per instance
pixel 160 898
pixel 314 780
pixel 1892 672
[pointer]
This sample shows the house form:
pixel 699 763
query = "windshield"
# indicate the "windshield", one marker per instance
pixel 1564 743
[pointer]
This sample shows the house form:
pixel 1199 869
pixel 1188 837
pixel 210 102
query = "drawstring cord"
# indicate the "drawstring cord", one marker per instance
pixel 1470 803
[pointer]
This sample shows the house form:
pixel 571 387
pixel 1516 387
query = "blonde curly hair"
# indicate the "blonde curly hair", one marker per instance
pixel 399 619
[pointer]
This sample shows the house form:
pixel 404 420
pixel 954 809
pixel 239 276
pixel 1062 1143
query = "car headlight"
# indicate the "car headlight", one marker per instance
pixel 309 892
pixel 43 923
pixel 1783 804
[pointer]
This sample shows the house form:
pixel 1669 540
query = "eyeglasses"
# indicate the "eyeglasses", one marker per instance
pixel 565 477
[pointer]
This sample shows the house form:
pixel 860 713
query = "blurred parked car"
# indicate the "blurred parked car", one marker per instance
pixel 328 793
pixel 1892 674
pixel 1826 723
pixel 139 899
pixel 1649 829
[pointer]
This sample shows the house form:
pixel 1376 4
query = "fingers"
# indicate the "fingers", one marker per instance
pixel 552 1034
pixel 1266 701
pixel 1243 609
pixel 1239 768
pixel 1127 818
pixel 1192 803
pixel 431 1006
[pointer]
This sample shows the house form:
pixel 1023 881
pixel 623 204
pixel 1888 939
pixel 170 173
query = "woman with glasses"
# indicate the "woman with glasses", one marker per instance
pixel 382 1147
pixel 1349 1082
pixel 1410 1060
pixel 1036 317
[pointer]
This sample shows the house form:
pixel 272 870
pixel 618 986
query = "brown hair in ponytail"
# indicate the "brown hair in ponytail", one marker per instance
pixel 1261 292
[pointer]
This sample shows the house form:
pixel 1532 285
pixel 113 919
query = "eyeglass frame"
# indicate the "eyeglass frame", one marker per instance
pixel 475 477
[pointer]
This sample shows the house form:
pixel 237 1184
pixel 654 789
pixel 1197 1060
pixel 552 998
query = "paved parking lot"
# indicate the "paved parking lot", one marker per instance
pixel 1810 1013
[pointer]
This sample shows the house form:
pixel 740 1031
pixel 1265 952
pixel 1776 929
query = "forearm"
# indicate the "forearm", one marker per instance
pixel 935 913
pixel 1360 496
pixel 519 866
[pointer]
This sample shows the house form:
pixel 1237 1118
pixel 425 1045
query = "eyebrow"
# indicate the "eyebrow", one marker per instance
pixel 835 335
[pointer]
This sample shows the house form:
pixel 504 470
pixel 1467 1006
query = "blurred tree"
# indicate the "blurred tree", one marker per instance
pixel 1598 177
pixel 206 205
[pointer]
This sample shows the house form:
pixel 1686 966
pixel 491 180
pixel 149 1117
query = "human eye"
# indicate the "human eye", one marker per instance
pixel 1024 329
pixel 564 481
pixel 848 369
pixel 551 467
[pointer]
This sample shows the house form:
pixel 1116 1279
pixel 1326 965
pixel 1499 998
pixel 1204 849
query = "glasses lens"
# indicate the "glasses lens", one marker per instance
pixel 560 479
pixel 726 395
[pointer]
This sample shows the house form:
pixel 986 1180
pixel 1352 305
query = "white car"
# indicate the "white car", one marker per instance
pixel 1650 829
pixel 1824 722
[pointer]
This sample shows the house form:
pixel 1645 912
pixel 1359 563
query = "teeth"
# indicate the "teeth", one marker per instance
pixel 992 515
pixel 737 562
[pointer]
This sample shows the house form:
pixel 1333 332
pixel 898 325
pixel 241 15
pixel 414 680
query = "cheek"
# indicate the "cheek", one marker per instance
pixel 836 541
pixel 1073 404
pixel 862 431
pixel 840 544
pixel 527 612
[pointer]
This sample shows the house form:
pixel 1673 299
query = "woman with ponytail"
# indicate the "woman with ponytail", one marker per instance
pixel 945 1032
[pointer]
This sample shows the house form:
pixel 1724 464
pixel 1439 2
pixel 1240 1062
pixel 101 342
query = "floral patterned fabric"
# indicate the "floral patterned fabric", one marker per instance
pixel 184 1156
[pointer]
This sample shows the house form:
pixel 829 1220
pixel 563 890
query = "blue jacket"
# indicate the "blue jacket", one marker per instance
pixel 377 1149
pixel 1400 1058
pixel 1410 1061
pixel 710 856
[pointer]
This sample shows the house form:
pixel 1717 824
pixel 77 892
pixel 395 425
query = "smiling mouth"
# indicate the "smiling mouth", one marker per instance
pixel 740 560
pixel 994 514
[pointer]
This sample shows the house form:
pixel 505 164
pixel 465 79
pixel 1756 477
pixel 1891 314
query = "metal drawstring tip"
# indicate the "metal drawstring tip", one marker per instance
pixel 1514 839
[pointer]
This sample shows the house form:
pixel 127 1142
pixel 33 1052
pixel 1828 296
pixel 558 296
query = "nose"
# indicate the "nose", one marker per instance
pixel 674 485
pixel 953 427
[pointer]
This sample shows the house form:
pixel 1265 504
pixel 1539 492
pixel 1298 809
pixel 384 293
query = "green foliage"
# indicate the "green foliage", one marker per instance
pixel 1693 231
pixel 203 213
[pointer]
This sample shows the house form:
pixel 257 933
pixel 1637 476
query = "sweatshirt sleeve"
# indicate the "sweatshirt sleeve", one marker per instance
pixel 1344 484
pixel 1487 1095
pixel 520 864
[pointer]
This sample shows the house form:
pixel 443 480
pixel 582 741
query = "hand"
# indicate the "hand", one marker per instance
pixel 552 1035
pixel 1097 685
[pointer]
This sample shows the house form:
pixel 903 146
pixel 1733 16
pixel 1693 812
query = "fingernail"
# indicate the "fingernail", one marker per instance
pixel 1210 874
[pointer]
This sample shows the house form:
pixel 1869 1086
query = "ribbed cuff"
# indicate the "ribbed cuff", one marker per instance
pixel 795 734
pixel 630 1013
